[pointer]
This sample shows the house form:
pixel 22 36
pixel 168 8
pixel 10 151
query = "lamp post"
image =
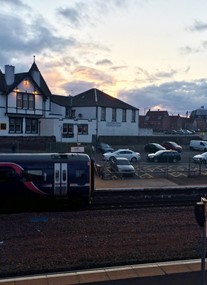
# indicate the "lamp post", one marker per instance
pixel 200 215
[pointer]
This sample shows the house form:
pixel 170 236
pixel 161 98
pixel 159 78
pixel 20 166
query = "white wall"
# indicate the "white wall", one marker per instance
pixel 56 110
pixel 86 112
pixel 54 127
pixel 118 128
pixel 145 132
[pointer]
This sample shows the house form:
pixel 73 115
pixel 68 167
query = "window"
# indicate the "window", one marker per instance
pixel 123 115
pixel 133 116
pixel 15 125
pixel 2 126
pixel 68 131
pixel 69 113
pixel 103 114
pixel 34 175
pixel 82 129
pixel 31 126
pixel 25 101
pixel 113 114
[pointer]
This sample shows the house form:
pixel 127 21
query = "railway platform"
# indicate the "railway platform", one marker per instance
pixel 176 272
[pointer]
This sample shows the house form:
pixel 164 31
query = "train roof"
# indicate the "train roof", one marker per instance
pixel 43 156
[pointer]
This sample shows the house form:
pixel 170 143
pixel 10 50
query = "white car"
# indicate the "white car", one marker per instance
pixel 200 158
pixel 127 153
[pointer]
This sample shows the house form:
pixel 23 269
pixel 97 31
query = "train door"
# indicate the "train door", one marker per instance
pixel 60 179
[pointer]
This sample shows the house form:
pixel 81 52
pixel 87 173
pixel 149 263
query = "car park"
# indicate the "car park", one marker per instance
pixel 200 158
pixel 153 147
pixel 122 166
pixel 127 153
pixel 104 147
pixel 164 156
pixel 172 145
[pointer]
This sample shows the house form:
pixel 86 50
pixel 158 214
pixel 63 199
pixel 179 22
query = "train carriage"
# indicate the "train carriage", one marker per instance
pixel 53 175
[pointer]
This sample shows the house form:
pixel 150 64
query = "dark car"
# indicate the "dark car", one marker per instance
pixel 153 147
pixel 172 145
pixel 104 147
pixel 164 156
pixel 121 165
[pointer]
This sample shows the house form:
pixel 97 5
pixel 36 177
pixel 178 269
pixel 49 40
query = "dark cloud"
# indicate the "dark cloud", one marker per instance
pixel 76 87
pixel 175 97
pixel 92 74
pixel 188 50
pixel 198 26
pixel 89 12
pixel 166 74
pixel 13 3
pixel 104 62
pixel 75 16
pixel 20 40
pixel 119 67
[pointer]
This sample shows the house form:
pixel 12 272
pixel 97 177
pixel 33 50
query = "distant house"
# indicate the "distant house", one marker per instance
pixel 176 122
pixel 27 108
pixel 198 119
pixel 157 120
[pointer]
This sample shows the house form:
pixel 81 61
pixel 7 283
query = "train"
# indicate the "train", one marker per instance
pixel 47 175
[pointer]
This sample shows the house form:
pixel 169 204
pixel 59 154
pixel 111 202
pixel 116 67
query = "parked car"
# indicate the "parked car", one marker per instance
pixel 127 153
pixel 164 156
pixel 121 165
pixel 104 147
pixel 172 145
pixel 198 145
pixel 153 147
pixel 200 158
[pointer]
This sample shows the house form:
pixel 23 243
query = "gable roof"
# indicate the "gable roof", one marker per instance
pixel 18 77
pixel 156 115
pixel 61 100
pixel 91 98
pixel 43 85
pixel 2 82
pixel 95 97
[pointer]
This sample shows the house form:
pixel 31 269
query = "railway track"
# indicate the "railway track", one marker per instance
pixel 114 199
pixel 147 197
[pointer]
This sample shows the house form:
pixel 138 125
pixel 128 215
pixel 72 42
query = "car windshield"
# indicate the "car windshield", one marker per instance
pixel 173 143
pixel 105 145
pixel 158 146
pixel 159 152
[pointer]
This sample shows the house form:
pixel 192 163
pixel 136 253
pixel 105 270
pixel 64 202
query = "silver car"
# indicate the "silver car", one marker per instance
pixel 200 158
pixel 121 165
pixel 127 153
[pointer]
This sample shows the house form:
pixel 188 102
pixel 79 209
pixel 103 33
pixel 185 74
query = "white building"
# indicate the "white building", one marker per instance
pixel 27 108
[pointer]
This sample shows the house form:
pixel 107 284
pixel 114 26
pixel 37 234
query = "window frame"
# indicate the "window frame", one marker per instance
pixel 25 101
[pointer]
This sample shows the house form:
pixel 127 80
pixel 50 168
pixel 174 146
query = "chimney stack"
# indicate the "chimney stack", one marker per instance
pixel 9 74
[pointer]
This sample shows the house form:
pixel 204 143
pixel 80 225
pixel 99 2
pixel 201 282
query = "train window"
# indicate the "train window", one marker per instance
pixel 57 175
pixel 59 156
pixel 64 175
pixel 80 173
pixel 33 175
pixel 6 175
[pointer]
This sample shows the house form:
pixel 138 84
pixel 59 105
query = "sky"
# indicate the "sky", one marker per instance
pixel 150 54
